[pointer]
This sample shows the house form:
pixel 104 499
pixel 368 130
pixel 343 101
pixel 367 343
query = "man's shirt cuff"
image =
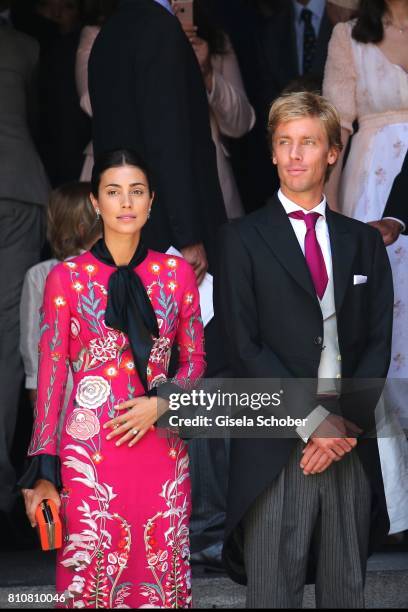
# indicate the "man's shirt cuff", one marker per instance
pixel 315 418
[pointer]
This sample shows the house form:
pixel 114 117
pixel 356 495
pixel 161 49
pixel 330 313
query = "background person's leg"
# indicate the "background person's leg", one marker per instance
pixel 21 238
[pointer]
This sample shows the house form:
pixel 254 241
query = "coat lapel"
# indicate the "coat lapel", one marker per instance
pixel 343 249
pixel 278 234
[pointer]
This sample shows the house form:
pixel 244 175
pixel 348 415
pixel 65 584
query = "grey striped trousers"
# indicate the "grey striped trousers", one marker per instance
pixel 329 511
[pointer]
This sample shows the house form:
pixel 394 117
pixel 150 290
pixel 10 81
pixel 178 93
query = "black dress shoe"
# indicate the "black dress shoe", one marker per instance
pixel 209 559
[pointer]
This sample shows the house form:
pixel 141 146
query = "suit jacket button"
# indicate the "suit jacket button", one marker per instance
pixel 318 340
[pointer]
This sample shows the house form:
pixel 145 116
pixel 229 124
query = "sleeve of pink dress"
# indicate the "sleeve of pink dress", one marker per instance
pixel 339 85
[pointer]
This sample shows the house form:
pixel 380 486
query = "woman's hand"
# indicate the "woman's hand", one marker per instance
pixel 139 416
pixel 202 51
pixel 43 489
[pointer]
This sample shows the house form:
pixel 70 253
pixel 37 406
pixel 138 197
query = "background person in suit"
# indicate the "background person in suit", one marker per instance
pixel 23 195
pixel 296 261
pixel 292 42
pixel 163 112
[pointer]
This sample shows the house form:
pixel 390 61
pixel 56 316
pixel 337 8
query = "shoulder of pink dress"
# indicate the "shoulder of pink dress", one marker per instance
pixel 171 261
pixel 73 263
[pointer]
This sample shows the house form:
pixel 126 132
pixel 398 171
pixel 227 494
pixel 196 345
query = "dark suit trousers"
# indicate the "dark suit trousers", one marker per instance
pixel 21 239
pixel 326 513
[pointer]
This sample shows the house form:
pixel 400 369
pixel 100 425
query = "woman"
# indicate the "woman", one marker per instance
pixel 113 314
pixel 231 114
pixel 71 229
pixel 366 77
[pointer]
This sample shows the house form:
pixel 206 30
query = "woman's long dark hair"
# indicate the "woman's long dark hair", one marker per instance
pixel 208 28
pixel 116 159
pixel 369 26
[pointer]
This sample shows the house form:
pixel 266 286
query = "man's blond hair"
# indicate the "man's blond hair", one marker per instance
pixel 301 104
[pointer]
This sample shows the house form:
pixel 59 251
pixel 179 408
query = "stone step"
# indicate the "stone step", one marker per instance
pixel 384 589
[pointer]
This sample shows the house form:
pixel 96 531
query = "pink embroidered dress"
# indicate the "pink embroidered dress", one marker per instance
pixel 125 511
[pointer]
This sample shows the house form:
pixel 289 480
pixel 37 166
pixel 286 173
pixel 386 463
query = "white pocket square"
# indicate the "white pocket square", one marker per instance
pixel 359 279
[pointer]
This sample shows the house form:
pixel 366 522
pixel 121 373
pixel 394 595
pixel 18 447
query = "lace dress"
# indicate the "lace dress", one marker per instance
pixel 365 86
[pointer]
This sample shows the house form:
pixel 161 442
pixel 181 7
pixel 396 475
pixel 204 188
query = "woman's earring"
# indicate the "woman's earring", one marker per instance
pixel 148 214
pixel 97 213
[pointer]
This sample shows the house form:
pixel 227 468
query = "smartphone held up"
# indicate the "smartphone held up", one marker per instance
pixel 184 10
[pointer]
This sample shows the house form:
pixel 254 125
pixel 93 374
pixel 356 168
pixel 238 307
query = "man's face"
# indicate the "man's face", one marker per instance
pixel 301 152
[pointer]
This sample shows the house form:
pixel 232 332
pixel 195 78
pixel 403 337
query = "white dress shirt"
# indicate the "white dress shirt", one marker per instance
pixel 299 227
pixel 317 7
pixel 317 416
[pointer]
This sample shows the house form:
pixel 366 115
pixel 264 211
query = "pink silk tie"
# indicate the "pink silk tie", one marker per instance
pixel 313 252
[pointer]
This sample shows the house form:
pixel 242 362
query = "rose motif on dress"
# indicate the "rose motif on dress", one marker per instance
pixel 82 424
pixel 160 350
pixel 92 392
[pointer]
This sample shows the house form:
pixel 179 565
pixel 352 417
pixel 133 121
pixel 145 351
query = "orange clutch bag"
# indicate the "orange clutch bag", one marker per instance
pixel 49 525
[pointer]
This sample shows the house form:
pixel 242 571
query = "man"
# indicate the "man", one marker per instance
pixel 305 293
pixel 23 195
pixel 158 106
pixel 293 43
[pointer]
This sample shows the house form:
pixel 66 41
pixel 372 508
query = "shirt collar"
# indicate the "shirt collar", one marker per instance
pixel 316 6
pixel 166 4
pixel 290 206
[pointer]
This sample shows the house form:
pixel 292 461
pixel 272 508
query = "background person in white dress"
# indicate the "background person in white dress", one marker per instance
pixel 366 78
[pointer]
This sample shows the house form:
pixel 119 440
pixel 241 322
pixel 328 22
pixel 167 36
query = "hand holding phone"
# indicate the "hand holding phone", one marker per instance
pixel 184 10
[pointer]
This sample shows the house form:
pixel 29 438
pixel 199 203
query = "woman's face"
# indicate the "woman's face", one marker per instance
pixel 124 200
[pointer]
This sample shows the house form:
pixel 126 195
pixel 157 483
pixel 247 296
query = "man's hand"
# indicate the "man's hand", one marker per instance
pixel 196 256
pixel 314 460
pixel 389 230
pixel 336 436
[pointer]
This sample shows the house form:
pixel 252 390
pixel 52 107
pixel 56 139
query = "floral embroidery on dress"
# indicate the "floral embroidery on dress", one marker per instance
pixel 82 424
pixel 381 175
pixel 94 546
pixel 171 585
pixel 92 392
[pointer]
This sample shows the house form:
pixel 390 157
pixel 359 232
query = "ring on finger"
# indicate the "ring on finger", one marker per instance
pixel 134 432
